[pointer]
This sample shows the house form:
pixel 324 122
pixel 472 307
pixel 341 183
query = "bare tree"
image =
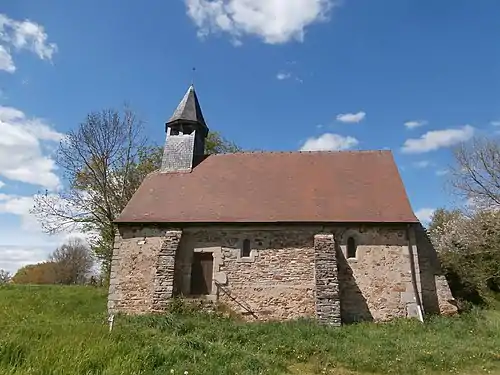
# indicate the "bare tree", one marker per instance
pixel 73 262
pixel 104 160
pixel 476 173
pixel 5 276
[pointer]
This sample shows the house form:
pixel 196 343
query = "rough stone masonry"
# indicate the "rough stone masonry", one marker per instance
pixel 274 236
pixel 290 272
pixel 326 278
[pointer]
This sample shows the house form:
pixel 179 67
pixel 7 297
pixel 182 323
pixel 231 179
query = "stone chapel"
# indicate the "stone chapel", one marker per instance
pixel 274 235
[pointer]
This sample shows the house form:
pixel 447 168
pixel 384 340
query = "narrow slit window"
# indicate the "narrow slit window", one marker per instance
pixel 246 249
pixel 351 247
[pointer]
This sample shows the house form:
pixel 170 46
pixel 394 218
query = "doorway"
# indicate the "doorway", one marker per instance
pixel 201 274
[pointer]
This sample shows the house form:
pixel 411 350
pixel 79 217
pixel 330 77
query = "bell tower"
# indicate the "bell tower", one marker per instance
pixel 186 133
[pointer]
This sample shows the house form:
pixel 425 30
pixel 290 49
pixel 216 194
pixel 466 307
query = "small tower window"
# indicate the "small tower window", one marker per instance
pixel 187 129
pixel 174 131
pixel 246 249
pixel 351 247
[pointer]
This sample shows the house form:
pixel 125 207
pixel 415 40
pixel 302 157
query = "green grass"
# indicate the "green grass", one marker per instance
pixel 63 330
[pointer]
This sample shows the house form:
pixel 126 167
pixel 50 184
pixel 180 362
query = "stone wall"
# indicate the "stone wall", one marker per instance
pixel 275 282
pixel 280 279
pixel 377 284
pixel 142 261
pixel 326 279
pixel 178 153
pixel 436 293
pixel 165 265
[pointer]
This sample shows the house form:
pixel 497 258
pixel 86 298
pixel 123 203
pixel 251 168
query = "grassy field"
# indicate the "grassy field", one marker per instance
pixel 63 330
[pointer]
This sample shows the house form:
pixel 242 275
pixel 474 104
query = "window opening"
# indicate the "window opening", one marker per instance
pixel 246 249
pixel 351 248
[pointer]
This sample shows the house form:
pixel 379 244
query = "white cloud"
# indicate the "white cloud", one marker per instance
pixel 283 75
pixel 16 205
pixel 274 21
pixel 425 215
pixel 2 184
pixel 22 35
pixel 441 172
pixel 13 257
pixel 436 139
pixel 329 142
pixel 21 156
pixel 422 164
pixel 6 62
pixel 20 206
pixel 415 124
pixel 495 123
pixel 26 243
pixel 351 117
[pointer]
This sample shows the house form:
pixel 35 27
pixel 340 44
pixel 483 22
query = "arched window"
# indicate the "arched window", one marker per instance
pixel 246 249
pixel 351 247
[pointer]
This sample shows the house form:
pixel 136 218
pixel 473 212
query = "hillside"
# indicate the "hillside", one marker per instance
pixel 63 330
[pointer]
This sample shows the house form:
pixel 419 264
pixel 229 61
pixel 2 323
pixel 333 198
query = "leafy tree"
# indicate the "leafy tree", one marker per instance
pixel 41 273
pixel 469 249
pixel 442 217
pixel 468 241
pixel 104 161
pixel 217 144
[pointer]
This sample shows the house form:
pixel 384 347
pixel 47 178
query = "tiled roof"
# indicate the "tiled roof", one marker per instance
pixel 360 186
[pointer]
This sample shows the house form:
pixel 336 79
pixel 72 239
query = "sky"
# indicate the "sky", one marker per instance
pixel 412 76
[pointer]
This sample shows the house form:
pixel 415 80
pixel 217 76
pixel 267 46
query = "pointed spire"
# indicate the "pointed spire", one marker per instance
pixel 186 132
pixel 188 110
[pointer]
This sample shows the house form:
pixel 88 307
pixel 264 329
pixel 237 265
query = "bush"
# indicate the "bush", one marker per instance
pixel 469 250
pixel 41 273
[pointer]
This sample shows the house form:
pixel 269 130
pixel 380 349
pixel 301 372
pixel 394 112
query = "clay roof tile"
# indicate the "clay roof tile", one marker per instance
pixel 274 187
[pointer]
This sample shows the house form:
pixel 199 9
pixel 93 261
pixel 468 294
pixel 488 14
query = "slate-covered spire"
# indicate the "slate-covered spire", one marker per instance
pixel 186 132
pixel 188 110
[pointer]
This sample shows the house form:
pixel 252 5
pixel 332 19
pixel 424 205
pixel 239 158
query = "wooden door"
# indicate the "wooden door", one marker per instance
pixel 201 274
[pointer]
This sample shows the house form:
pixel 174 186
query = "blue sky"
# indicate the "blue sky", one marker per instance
pixel 413 76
